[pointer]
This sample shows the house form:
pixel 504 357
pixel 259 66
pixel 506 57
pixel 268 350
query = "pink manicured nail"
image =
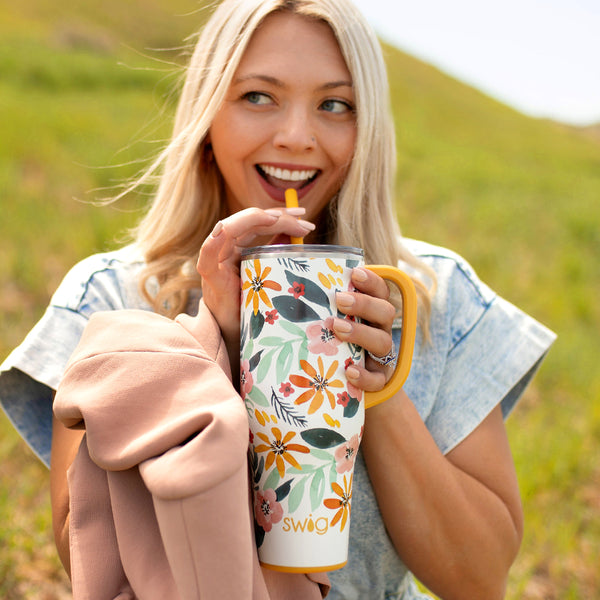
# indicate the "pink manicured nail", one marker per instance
pixel 342 326
pixel 352 373
pixel 217 229
pixel 295 211
pixel 344 300
pixel 359 274
pixel 307 224
pixel 274 212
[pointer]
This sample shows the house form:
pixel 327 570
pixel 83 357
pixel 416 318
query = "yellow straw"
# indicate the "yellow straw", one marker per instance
pixel 291 201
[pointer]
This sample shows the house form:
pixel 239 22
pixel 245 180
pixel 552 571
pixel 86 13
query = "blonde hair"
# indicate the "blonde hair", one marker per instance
pixel 189 199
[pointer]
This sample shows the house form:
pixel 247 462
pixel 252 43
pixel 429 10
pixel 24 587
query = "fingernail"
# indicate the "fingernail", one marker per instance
pixel 342 326
pixel 307 224
pixel 359 274
pixel 274 212
pixel 344 300
pixel 295 211
pixel 217 229
pixel 352 373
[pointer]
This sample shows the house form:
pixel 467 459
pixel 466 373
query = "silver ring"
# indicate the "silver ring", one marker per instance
pixel 388 360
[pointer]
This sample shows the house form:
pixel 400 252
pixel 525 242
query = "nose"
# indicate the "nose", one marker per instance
pixel 294 131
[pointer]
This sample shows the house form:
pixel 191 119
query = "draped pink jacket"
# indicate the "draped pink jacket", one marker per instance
pixel 160 505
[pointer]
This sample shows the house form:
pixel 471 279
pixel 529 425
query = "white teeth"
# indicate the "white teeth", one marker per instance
pixel 287 175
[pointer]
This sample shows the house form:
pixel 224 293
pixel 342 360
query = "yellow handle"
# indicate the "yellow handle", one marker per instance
pixel 409 331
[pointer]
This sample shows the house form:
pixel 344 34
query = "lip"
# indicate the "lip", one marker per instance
pixel 277 193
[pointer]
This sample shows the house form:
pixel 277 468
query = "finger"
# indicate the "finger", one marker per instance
pixel 285 225
pixel 250 223
pixel 218 247
pixel 245 220
pixel 370 283
pixel 375 310
pixel 373 339
pixel 369 381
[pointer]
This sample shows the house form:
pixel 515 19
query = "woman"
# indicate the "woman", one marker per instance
pixel 293 93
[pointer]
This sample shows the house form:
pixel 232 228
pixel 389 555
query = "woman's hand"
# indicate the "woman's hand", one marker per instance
pixel 219 260
pixel 370 303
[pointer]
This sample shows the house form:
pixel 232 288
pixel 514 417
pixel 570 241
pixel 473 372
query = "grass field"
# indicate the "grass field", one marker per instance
pixel 85 94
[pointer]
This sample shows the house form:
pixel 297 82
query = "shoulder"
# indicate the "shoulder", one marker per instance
pixel 461 298
pixel 450 268
pixel 104 281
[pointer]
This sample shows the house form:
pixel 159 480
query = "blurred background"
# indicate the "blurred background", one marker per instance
pixel 87 94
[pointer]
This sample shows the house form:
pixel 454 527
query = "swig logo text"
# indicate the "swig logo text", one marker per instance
pixel 319 526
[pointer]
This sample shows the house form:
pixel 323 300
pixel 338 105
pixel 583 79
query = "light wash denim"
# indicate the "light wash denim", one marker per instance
pixel 483 351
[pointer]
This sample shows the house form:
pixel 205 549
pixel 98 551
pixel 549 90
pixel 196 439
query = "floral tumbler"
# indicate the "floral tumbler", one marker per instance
pixel 306 419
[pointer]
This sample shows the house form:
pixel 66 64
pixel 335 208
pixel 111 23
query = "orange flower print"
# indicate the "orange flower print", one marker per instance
pixel 279 449
pixel 341 503
pixel 318 385
pixel 255 285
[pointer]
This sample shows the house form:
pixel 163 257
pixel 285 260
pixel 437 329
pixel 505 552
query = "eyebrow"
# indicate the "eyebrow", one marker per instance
pixel 278 83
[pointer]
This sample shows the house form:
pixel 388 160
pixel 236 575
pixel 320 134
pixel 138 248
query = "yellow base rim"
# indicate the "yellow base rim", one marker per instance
pixel 302 569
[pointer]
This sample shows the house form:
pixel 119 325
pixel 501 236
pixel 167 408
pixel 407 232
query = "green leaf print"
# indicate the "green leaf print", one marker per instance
pixel 283 490
pixel 351 408
pixel 293 329
pixel 257 322
pixel 254 360
pixel 294 310
pixel 322 438
pixel 317 489
pixel 322 455
pixel 303 352
pixel 271 341
pixel 295 497
pixel 284 362
pixel 258 397
pixel 264 365
pixel 272 480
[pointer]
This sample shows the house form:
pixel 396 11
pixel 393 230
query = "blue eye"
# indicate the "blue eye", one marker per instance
pixel 257 98
pixel 336 106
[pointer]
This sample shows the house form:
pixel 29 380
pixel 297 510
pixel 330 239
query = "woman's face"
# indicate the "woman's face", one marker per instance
pixel 288 118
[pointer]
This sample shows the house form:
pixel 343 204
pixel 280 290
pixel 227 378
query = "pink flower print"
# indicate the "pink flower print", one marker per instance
pixel 271 316
pixel 266 509
pixel 345 455
pixel 297 289
pixel 321 339
pixel 343 399
pixel 246 379
pixel 286 389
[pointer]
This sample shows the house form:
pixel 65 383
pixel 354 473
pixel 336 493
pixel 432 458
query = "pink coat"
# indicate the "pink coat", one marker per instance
pixel 160 493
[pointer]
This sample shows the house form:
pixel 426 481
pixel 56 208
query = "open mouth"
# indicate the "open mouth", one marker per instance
pixel 286 178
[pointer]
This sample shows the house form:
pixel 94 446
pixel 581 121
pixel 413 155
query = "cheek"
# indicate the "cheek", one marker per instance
pixel 343 150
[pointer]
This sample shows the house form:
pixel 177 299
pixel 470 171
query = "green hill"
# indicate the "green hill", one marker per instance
pixel 86 97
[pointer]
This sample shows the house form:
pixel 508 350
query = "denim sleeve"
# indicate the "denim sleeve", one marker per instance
pixel 494 349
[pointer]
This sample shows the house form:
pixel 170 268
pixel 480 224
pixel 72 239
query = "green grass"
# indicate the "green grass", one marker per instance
pixel 81 104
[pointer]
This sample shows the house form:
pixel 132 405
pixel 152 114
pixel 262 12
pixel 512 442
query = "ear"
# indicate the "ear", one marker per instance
pixel 207 156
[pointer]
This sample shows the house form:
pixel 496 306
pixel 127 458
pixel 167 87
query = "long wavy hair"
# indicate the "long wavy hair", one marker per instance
pixel 190 196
